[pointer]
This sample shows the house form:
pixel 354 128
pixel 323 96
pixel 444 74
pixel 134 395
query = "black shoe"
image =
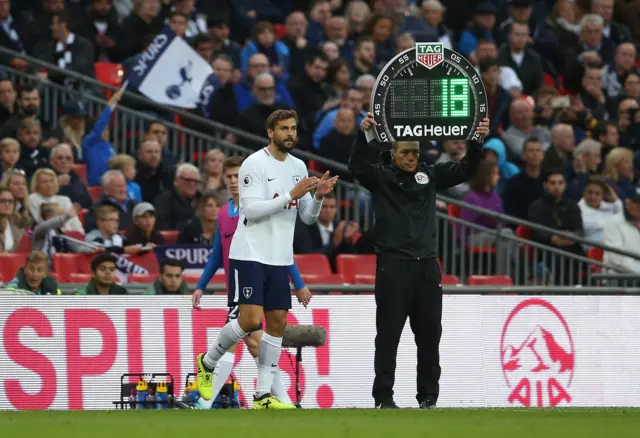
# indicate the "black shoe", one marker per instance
pixel 298 405
pixel 428 403
pixel 388 404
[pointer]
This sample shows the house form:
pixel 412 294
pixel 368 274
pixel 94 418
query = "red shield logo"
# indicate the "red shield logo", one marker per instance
pixel 430 60
pixel 537 355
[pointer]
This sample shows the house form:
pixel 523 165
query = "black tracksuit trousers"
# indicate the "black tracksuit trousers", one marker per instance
pixel 407 288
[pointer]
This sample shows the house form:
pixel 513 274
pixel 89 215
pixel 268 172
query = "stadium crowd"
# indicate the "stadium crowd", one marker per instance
pixel 562 79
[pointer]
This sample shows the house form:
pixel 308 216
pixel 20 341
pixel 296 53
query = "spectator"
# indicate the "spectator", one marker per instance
pixel 608 136
pixel 176 206
pixel 631 85
pixel 219 104
pixel 524 61
pixel 586 163
pixel 592 94
pixel 554 210
pixel 196 21
pixel 522 128
pixel 381 28
pixel 71 186
pixel 99 24
pixel 106 234
pixel 203 44
pixel 127 165
pixel 308 89
pixel 337 32
pixel 495 150
pixel 66 50
pixel 16 181
pixel 29 107
pixel 9 154
pixel 629 15
pixel 12 37
pixel 454 151
pixel 170 281
pixel 358 15
pixel 622 232
pixel 524 188
pixel 598 205
pixel 326 236
pixel 178 22
pixel 629 122
pixel 8 103
pixel 253 118
pixel 351 100
pixel 618 171
pixel 201 229
pixel 319 14
pixel 336 144
pixel 294 39
pixel 484 21
pixel 560 31
pixel 404 42
pixel 212 172
pixel 520 11
pixel 612 31
pixel 330 50
pixel 157 130
pixel 34 276
pixel 407 22
pixel 509 80
pixel 365 84
pixel 339 77
pixel 561 150
pixel 219 32
pixel 114 193
pixel 48 236
pixel 145 19
pixel 103 281
pixel 40 27
pixel 623 64
pixel 142 234
pixel 498 99
pixel 258 64
pixel 152 178
pixel 547 106
pixel 364 57
pixel 10 234
pixel 264 41
pixel 433 14
pixel 44 188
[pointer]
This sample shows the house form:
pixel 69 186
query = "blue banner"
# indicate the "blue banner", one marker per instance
pixel 192 256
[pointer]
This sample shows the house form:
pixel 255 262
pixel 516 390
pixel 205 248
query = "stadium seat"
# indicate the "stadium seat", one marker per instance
pixel 322 279
pixel 191 278
pixel 170 236
pixel 351 264
pixel 364 279
pixel 451 280
pixel 313 264
pixel 75 277
pixel 81 170
pixel 142 278
pixel 95 192
pixel 10 264
pixel 109 73
pixel 25 244
pixel 489 280
pixel 82 214
pixel 66 264
pixel 147 261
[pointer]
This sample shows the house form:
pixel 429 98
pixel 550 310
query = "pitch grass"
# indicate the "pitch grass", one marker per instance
pixel 334 423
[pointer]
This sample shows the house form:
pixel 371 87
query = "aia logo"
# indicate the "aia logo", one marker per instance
pixel 293 203
pixel 537 355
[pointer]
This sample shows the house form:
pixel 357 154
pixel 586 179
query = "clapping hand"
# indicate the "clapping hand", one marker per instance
pixel 325 185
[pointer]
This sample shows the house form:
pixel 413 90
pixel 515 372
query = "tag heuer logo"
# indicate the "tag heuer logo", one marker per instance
pixel 429 54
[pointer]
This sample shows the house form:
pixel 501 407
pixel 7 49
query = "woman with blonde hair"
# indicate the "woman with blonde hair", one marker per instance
pixel 44 188
pixel 618 170
pixel 357 15
pixel 16 182
pixel 9 153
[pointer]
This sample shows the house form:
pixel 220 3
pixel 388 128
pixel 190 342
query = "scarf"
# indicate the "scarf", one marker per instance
pixel 7 26
pixel 571 27
pixel 63 51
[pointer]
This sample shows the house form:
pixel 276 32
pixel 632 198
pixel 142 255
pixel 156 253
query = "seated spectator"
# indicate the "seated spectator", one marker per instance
pixel 175 207
pixel 607 134
pixel 516 54
pixel 253 118
pixel 29 105
pixel 454 151
pixel 498 98
pixel 522 127
pixel 509 80
pixel 34 276
pixel 592 93
pixel 337 32
pixel 331 51
pixel 170 281
pixel 103 281
pixel 629 122
pixel 71 185
pixel 308 89
pixel 586 163
pixel 525 187
pixel 404 42
pixel 218 98
pixel 219 32
pixel 495 150
pixel 114 193
pixel 381 28
pixel 364 57
pixel 16 182
pixel 151 176
pixel 562 146
pixel 258 64
pixel 178 23
pixel 326 236
pixel 96 147
pixel 621 232
pixel 127 165
pixel 157 130
pixel 8 103
pixel 336 144
pixel 203 45
pixel 264 41
pixel 339 77
pixel 484 22
pixel 618 171
pixel 9 154
pixel 33 155
pixel 196 22
pixel 631 85
pixel 106 233
pixel 44 188
pixel 598 206
pixel 357 14
pixel 351 100
pixel 201 229
pixel 365 84
pixel 212 173
pixel 10 234
pixel 48 236
pixel 13 37
pixel 433 13
pixel 559 32
pixel 100 26
pixel 142 234
pixel 294 39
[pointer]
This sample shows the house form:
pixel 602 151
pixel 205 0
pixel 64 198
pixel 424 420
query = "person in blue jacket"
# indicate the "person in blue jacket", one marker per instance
pixel 507 169
pixel 264 41
pixel 258 63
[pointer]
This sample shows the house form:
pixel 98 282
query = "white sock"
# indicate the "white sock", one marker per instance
pixel 222 372
pixel 269 356
pixel 278 388
pixel 229 336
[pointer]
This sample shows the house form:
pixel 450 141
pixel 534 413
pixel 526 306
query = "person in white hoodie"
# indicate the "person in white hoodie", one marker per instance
pixel 598 205
pixel 623 232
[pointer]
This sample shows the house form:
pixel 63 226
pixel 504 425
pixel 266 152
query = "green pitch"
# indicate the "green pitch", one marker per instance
pixel 358 423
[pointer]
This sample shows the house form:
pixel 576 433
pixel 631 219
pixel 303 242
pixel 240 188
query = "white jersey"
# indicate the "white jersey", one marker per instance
pixel 267 213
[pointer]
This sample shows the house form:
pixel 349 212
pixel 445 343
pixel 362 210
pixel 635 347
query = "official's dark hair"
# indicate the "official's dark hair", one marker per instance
pixel 280 116
pixel 482 179
pixel 487 63
pixel 232 162
pixel 551 172
pixel 171 262
pixel 316 54
pixel 100 259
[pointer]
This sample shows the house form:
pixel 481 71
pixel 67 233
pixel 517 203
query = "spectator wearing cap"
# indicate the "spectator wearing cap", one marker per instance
pixel 264 41
pixel 8 102
pixel 99 24
pixel 201 229
pixel 103 281
pixel 147 18
pixel 176 206
pixel 522 127
pixel 219 32
pixel 621 232
pixel 253 118
pixel 33 155
pixel 12 37
pixel 482 26
pixel 523 60
pixel 29 108
pixel 72 126
pixel 34 276
pixel 170 281
pixel 296 29
pixel 258 64
pixel 127 165
pixel 142 235
pixel 114 193
pixel 61 161
pixel 520 11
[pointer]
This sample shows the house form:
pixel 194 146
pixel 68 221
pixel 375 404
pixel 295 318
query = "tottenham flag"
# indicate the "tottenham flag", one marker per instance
pixel 170 71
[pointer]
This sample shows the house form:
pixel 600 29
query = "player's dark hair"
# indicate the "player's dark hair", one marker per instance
pixel 316 54
pixel 487 63
pixel 101 258
pixel 362 40
pixel 280 116
pixel 171 262
pixel 482 177
pixel 552 172
pixel 232 162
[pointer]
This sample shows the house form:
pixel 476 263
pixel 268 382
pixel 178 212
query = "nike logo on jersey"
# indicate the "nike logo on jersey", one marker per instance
pixel 270 179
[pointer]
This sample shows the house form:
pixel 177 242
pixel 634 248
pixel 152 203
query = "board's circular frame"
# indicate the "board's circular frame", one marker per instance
pixel 394 67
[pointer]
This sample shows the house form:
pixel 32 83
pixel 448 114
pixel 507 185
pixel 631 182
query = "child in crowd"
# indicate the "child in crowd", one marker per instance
pixel 9 153
pixel 46 235
pixel 106 234
pixel 34 276
pixel 127 165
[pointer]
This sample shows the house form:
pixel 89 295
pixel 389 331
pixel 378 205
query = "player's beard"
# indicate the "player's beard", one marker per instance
pixel 286 144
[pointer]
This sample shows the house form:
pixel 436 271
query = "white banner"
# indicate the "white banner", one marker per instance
pixel 69 352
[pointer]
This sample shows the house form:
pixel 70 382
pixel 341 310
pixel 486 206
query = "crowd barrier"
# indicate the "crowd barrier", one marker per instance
pixel 496 350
